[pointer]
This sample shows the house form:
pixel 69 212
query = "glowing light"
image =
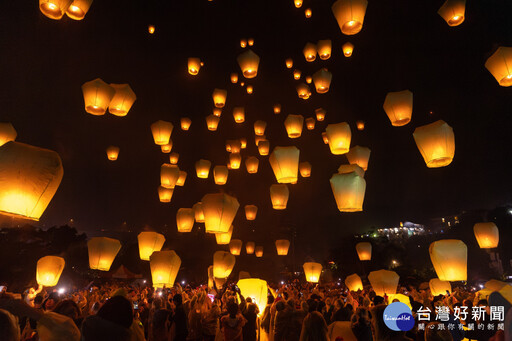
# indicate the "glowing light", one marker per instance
pixel 151 29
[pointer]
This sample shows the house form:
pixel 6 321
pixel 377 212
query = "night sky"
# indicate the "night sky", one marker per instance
pixel 403 45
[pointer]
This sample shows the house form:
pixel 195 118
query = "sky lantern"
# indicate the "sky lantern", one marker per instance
pixel 384 282
pixel 453 11
pixel 348 190
pixel 250 41
pixel 436 143
pixel 308 13
pixel 249 89
pixel 234 146
pixel 347 48
pixel 220 174
pixel 322 79
pixel 277 109
pixel 224 238
pixel 243 43
pixel 320 114
pixel 166 148
pixel 198 212
pixel 165 194
pixel 282 247
pixel 49 269
pixel 7 133
pixel 203 168
pixel 212 122
pixel 297 3
pixel 310 123
pixel 219 97
pixel 289 63
pixel 344 169
pixel 243 143
pixel 264 147
pixel 164 268
pixel 259 127
pixel 258 251
pixel 249 248
pixel 149 242
pixel 354 283
pixel 360 125
pixel 242 84
pixel 223 263
pixel 102 251
pixel 185 123
pixel 239 114
pixel 235 159
pixel 248 62
pixel 54 9
pixel 296 74
pixel 325 138
pixel 217 112
pixel 182 178
pixel 29 178
pixel 161 131
pixel 487 235
pixel 309 52
pixel 398 107
pixel 438 287
pixel 364 251
pixel 112 153
pixel 258 139
pixel 294 125
pixel 360 156
pixel 252 163
pixel 339 136
pixel 308 79
pixel 312 271
pixel 219 211
pixel 324 48
pixel 285 164
pixel 305 169
pixel 256 289
pixel 235 247
pixel 122 101
pixel 500 65
pixel 78 9
pixel 251 211
pixel 350 15
pixel 194 64
pixel 174 157
pixel 151 29
pixel 279 195
pixel 234 77
pixel 97 96
pixel 185 219
pixel 449 257
pixel 169 175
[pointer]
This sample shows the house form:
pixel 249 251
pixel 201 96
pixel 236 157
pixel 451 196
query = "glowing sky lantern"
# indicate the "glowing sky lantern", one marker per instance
pixel 285 164
pixel 112 153
pixel 212 122
pixel 364 251
pixel 166 148
pixel 258 139
pixel 256 289
pixel 348 190
pixel 233 77
pixel 289 63
pixel 297 3
pixel 309 79
pixel 164 268
pixel 350 15
pixel 322 79
pixel 203 168
pixel 360 156
pixel 296 74
pixel 185 123
pixel 251 211
pixel 438 287
pixel 198 212
pixel 487 235
pixel 348 49
pixel 259 127
pixel 325 138
pixel 398 107
pixel 436 143
pixel 354 283
pixel 234 146
pixel 339 136
pixel 258 251
pixel 151 29
pixel 360 125
pixel 97 96
pixel 174 158
pixel 78 9
pixel 217 112
pixel 7 133
pixel 250 41
pixel 277 108
pixel 453 12
pixel 305 169
pixel 384 282
pixel 320 114
pixel 243 43
pixel 149 242
pixel 220 174
pixel 161 131
pixel 169 175
pixel 282 247
pixel 185 219
pixel 223 263
pixel 309 52
pixel 310 123
pixel 29 178
pixel 344 169
pixel 102 252
pixel 219 211
pixel 248 62
pixel 235 247
pixel 239 114
pixel 308 13
pixel 49 269
pixel 54 9
pixel 294 125
pixel 122 101
pixel 252 164
pixel 449 257
pixel 182 178
pixel 324 48
pixel 500 65
pixel 219 97
pixel 249 248
pixel 312 271
pixel 224 238
pixel 249 89
pixel 279 194
pixel 235 159
pixel 243 143
pixel 194 64
pixel 165 194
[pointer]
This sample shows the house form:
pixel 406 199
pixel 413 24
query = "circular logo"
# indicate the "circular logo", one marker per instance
pixel 398 317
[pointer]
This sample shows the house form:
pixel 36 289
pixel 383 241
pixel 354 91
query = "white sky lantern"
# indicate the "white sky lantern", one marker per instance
pixel 289 63
pixel 258 251
pixel 239 114
pixel 235 247
pixel 364 251
pixel 277 108
pixel 320 114
pixel 449 257
pixel 29 178
pixel 250 212
pixel 305 169
pixel 174 157
pixel 234 77
pixel 285 164
pixel 256 289
pixel 348 49
pixel 500 65
pixel 310 123
pixel 165 194
pixel 487 235
pixel 182 178
pixel 223 263
pixel 309 52
pixel 282 247
pixel 436 143
pixel 212 122
pixel 122 101
pixel 198 212
pixel 219 97
pixel 97 96
pixel 112 153
pixel 339 136
pixel 279 194
pixel 303 91
pixel 164 268
pixel 296 74
pixel 219 211
pixel 185 123
pixel 224 238
pixel 54 9
pixel 102 252
pixel 294 125
pixel 235 159
pixel 453 12
pixel 252 164
pixel 398 107
pixel 384 282
pixel 259 127
pixel 354 283
pixel 161 131
pixel 203 168
pixel 166 148
pixel 49 269
pixel 248 62
pixel 438 287
pixel 185 219
pixel 350 15
pixel 348 190
pixel 322 79
pixel 344 169
pixel 149 242
pixel 169 175
pixel 78 9
pixel 360 156
pixel 249 248
pixel 324 48
pixel 312 271
pixel 194 64
pixel 7 133
pixel 220 174
pixel 263 147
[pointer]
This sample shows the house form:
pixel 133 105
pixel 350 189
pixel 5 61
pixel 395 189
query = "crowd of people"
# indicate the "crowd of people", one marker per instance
pixel 295 311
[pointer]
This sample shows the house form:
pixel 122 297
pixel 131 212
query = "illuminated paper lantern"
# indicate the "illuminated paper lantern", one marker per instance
pixel 250 41
pixel 320 114
pixel 78 9
pixel 312 271
pixel 165 194
pixel 122 101
pixel 449 257
pixel 239 114
pixel 256 289
pixel 49 269
pixel 324 48
pixel 297 3
pixel 294 125
pixel 29 178
pixel 252 164
pixel 166 148
pixel 249 89
pixel 169 175
pixel 384 282
pixel 234 78
pixel 263 147
pixel 194 64
pixel 250 212
pixel 164 268
pixel 149 242
pixel 347 48
pixel 348 190
pixel 7 133
pixel 212 122
pixel 97 96
pixel 303 91
pixel 398 107
pixel 161 131
pixel 279 194
pixel 102 252
pixel 185 123
pixel 203 168
pixel 325 138
pixel 224 238
pixel 219 97
pixel 354 283
pixel 220 174
pixel 219 211
pixel 235 247
pixel 235 159
pixel 360 156
pixel 182 178
pixel 438 287
pixel 185 219
pixel 198 212
pixel 436 143
pixel 310 123
pixel 282 247
pixel 309 52
pixel 112 153
pixel 243 43
pixel 217 112
pixel 296 74
pixel 305 169
pixel 308 13
pixel 258 139
pixel 350 15
pixel 453 12
pixel 54 9
pixel 249 248
pixel 339 136
pixel 487 235
pixel 259 127
pixel 223 263
pixel 289 63
pixel 364 251
pixel 322 79
pixel 277 109
pixel 285 164
pixel 151 29
pixel 234 146
pixel 500 65
pixel 248 62
pixel 344 169
pixel 243 143
pixel 309 79
pixel 360 125
pixel 174 157
pixel 258 251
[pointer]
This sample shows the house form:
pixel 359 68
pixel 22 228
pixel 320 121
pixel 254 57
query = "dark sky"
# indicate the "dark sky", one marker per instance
pixel 403 45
